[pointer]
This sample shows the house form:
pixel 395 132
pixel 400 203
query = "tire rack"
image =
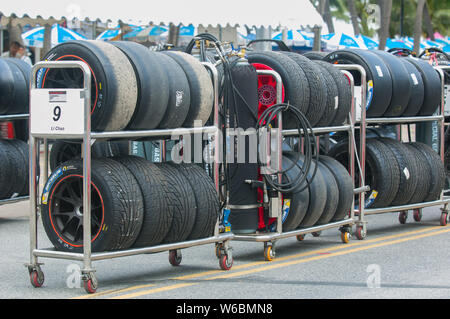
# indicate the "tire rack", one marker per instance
pixel 87 257
pixel 344 226
pixel 361 230
pixel 8 118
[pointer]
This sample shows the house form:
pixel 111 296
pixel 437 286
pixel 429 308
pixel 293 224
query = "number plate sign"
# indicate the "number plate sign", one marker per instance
pixel 57 111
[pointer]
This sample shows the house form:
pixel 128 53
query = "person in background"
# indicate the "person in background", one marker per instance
pixel 17 50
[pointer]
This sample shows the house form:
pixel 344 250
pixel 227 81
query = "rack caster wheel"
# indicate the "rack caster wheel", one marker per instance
pixel 360 233
pixel 37 278
pixel 345 237
pixel 444 219
pixel 300 237
pixel 402 217
pixel 269 253
pixel 226 262
pixel 90 283
pixel 317 234
pixel 175 257
pixel 417 215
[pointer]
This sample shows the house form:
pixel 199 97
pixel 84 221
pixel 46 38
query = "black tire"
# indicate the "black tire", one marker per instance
pixel 333 191
pixel 318 112
pixel 206 198
pixel 417 89
pixel 201 88
pixel 117 207
pixel 332 103
pixel 181 204
pixel 315 55
pixel 297 92
pixel 295 204
pixel 401 89
pixel 432 85
pixel 22 163
pixel 436 170
pixel 423 176
pixel 382 171
pixel 344 94
pixel 22 86
pixel 152 84
pixel 179 94
pixel 407 165
pixel 114 85
pixel 63 151
pixel 157 217
pixel 12 170
pixel 317 193
pixel 14 96
pixel 380 92
pixel 345 187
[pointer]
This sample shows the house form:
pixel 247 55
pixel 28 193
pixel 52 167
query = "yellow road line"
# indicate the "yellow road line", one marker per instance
pixel 285 264
pixel 109 292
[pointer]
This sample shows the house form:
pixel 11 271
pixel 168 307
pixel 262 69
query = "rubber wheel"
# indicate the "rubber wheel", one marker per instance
pixel 378 77
pixel 225 262
pixel 344 94
pixel 90 287
pixel 382 171
pixel 175 258
pixel 318 113
pixel 179 93
pixel 117 207
pixel 360 234
pixel 114 86
pixel 436 170
pixel 315 55
pixel 432 86
pixel 201 88
pixel 344 185
pixel 403 217
pixel 417 89
pixel 444 219
pixel 157 215
pixel 345 237
pixel 401 88
pixel 181 203
pixel 37 278
pixel 296 86
pixel 417 215
pixel 152 83
pixel 206 198
pixel 422 174
pixel 407 164
pixel 269 253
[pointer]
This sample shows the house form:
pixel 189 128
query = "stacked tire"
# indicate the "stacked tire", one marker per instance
pixel 396 86
pixel 14 96
pixel 134 88
pixel 398 173
pixel 326 196
pixel 317 89
pixel 14 169
pixel 134 203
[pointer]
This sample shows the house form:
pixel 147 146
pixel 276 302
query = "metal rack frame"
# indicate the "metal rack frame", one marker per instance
pixel 10 118
pixel 345 226
pixel 361 230
pixel 87 257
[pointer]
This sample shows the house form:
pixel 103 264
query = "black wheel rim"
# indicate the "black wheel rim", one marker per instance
pixel 66 210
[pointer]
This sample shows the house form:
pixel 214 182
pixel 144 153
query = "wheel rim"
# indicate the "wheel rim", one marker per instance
pixel 66 210
pixel 267 89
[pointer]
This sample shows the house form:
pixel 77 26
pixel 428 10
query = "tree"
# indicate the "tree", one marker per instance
pixel 383 33
pixel 418 25
pixel 353 16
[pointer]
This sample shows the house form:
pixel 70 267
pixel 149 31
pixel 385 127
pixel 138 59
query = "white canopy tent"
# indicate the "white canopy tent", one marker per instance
pixel 284 13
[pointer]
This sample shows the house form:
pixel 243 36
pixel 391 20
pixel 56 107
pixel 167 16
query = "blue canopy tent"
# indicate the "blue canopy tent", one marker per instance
pixel 35 37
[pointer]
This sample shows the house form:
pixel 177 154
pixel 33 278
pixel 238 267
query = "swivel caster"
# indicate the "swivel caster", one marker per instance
pixel 402 217
pixel 226 261
pixel 417 215
pixel 345 237
pixel 269 253
pixel 37 277
pixel 444 219
pixel 90 283
pixel 301 237
pixel 317 234
pixel 175 257
pixel 360 233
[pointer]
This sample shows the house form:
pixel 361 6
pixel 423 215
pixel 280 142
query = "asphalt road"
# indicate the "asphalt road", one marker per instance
pixel 395 261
